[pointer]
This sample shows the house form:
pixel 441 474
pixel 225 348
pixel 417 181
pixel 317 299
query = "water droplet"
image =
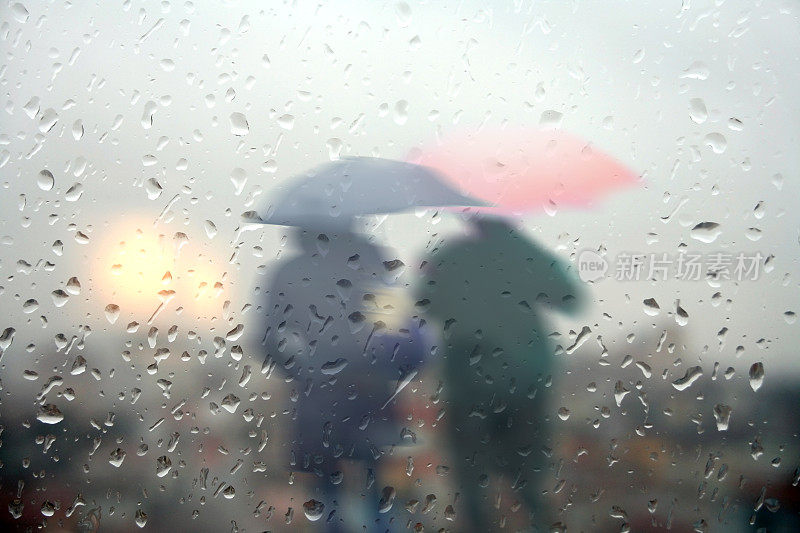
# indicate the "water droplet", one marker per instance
pixel 403 13
pixel 78 366
pixel 77 130
pixel 239 179
pixel 20 12
pixel 230 403
pixel 387 499
pixel 619 392
pixel 551 119
pixel 45 181
pixel 651 307
pixel 48 120
pixel 313 509
pixel 59 297
pixel 645 368
pixel 32 107
pixel 234 334
pixel 112 313
pixel 756 375
pixel 753 234
pixel 722 414
pixel 706 232
pixel 735 124
pixel 334 148
pixel 697 110
pixel 692 374
pixel 681 316
pixel 73 286
pixel 211 229
pixel 244 24
pixel 48 508
pixel 430 503
pixel 332 368
pixel 163 466
pixel 147 116
pixel 16 507
pixel 401 112
pixel 116 458
pixel 30 306
pixel 153 189
pixel 140 518
pixel 717 142
pixel 6 338
pixel 74 193
pixel 239 125
pixel 696 71
pixel 286 121
pixel 49 414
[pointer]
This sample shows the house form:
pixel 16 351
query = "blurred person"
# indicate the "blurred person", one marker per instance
pixel 341 365
pixel 489 292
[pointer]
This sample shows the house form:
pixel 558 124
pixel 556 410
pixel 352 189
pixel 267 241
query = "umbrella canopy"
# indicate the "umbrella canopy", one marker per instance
pixel 353 186
pixel 520 170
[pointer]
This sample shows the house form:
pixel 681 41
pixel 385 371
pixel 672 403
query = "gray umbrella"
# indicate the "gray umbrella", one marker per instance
pixel 355 186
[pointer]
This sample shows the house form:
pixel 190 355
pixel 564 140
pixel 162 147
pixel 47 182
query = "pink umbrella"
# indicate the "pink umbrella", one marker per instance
pixel 524 170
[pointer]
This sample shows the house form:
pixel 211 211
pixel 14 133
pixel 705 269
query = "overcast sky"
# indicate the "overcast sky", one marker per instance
pixel 698 97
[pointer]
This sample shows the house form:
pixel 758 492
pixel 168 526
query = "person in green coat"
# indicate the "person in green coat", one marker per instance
pixel 489 293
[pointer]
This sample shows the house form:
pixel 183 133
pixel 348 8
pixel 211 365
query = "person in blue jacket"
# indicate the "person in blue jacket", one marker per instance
pixel 343 364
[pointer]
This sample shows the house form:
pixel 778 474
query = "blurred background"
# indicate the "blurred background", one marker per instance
pixel 135 135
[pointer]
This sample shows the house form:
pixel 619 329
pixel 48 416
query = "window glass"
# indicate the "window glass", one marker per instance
pixel 385 266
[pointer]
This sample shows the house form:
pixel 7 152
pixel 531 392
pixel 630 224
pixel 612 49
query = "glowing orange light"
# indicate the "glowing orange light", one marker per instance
pixel 146 271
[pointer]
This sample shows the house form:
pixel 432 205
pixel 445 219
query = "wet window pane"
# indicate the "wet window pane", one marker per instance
pixel 387 266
